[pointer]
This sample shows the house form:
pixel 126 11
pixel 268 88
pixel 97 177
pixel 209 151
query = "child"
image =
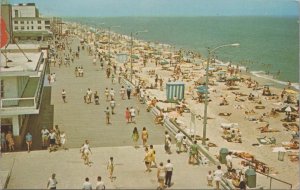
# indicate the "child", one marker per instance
pixel 184 144
pixel 209 178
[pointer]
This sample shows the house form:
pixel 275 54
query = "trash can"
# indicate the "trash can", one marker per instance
pixel 222 155
pixel 250 176
pixel 281 155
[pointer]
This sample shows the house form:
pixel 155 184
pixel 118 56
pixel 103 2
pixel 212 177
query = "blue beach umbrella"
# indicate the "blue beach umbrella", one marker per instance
pixel 202 89
pixel 164 62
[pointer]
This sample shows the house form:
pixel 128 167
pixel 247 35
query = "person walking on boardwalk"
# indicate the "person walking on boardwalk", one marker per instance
pixel 132 115
pixel 100 184
pixel 113 78
pixel 128 90
pixel 89 93
pixel 107 115
pixel 28 141
pixel 169 173
pixel 63 140
pixel 147 160
pixel 52 182
pixel 64 94
pixel 10 140
pixel 135 137
pixel 52 137
pixel 127 115
pixel 108 72
pixel 106 92
pixel 152 156
pixel 122 92
pixel 168 145
pixel 161 174
pixel 112 105
pixel 110 168
pixel 86 184
pixel 86 153
pixel 112 93
pixel 193 155
pixel 179 138
pixel 145 136
pixel 218 174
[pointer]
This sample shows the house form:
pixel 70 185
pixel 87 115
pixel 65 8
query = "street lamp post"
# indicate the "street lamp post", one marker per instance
pixel 131 47
pixel 109 28
pixel 210 51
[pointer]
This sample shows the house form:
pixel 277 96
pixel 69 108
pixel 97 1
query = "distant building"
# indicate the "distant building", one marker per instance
pixel 27 23
pixel 21 87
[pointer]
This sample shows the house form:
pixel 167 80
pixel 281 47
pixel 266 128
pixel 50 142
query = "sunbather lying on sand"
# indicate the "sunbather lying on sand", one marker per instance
pixel 291 145
pixel 224 102
pixel 225 114
pixel 266 129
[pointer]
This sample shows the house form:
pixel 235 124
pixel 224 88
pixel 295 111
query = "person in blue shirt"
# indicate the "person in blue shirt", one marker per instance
pixel 28 141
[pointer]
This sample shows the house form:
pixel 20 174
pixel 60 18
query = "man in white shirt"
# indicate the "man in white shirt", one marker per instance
pixel 179 137
pixel 52 182
pixel 89 93
pixel 45 136
pixel 169 170
pixel 87 185
pixel 218 174
pixel 112 93
pixel 100 184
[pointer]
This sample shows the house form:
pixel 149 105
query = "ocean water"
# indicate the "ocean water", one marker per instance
pixel 267 44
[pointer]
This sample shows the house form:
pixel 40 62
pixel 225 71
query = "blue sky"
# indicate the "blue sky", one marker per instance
pixel 108 8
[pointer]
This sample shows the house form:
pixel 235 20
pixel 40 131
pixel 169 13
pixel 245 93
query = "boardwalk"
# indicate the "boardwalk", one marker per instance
pixel 83 121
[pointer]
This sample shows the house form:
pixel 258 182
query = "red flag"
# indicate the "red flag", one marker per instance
pixel 3 33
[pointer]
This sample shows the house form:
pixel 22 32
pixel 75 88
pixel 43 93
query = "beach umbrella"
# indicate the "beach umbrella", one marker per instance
pixel 202 89
pixel 164 62
pixel 233 78
pixel 288 108
pixel 134 56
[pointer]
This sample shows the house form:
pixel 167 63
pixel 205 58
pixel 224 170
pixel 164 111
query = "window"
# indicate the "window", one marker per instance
pixel 39 28
pixel 22 28
pixel 2 89
pixel 22 22
pixel 47 27
pixel 47 22
pixel 27 22
pixel 39 22
pixel 27 27
pixel 16 28
pixel 32 27
pixel 16 13
pixel 16 22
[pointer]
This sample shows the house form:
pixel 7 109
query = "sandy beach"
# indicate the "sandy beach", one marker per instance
pixel 263 116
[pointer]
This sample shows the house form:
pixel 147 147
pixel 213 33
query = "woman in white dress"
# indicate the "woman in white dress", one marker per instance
pixel 63 140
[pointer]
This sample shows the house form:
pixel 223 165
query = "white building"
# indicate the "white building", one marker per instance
pixel 27 23
pixel 21 87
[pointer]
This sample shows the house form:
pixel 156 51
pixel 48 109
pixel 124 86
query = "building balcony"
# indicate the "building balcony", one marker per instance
pixel 29 102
